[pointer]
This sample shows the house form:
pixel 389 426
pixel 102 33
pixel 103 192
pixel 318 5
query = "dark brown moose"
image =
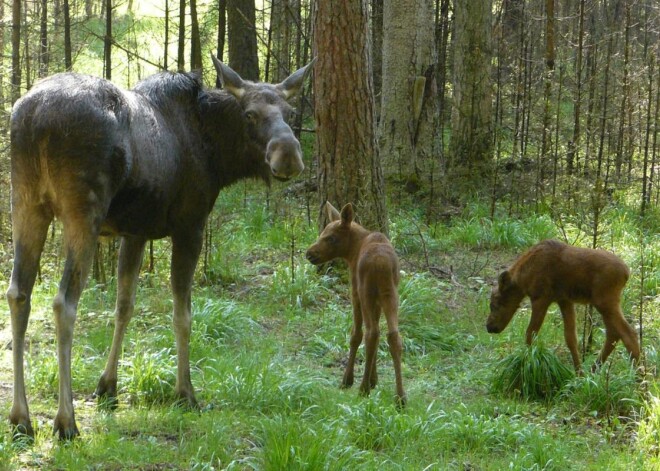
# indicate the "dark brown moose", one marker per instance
pixel 552 271
pixel 374 269
pixel 141 164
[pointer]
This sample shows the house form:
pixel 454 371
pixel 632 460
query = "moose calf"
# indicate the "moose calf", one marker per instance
pixel 552 271
pixel 374 269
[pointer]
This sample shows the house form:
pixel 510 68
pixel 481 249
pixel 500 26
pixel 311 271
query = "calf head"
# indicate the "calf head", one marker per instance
pixel 335 239
pixel 266 111
pixel 504 302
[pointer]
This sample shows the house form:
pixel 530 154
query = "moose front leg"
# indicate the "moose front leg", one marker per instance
pixel 185 252
pixel 128 269
pixel 539 309
pixel 570 333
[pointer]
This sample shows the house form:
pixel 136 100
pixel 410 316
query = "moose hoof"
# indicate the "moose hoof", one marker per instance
pixel 106 394
pixel 401 402
pixel 64 430
pixel 186 401
pixel 22 433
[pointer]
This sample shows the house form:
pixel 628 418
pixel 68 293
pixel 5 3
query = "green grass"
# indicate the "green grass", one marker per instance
pixel 269 345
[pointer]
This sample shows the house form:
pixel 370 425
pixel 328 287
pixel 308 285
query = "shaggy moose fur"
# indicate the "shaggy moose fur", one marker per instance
pixel 140 164
pixel 552 271
pixel 374 269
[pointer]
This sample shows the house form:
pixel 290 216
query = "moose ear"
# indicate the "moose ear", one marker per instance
pixel 504 280
pixel 230 80
pixel 347 214
pixel 331 211
pixel 294 82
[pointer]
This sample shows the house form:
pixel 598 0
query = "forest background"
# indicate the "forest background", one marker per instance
pixel 469 131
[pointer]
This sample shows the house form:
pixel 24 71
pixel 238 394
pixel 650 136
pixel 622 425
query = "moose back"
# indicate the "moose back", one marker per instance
pixel 140 164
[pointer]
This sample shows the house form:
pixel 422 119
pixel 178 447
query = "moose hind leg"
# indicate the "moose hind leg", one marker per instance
pixel 128 269
pixel 356 340
pixel 80 236
pixel 391 308
pixel 30 226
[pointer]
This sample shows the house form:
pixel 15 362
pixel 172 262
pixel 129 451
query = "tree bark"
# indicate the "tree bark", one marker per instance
pixel 242 38
pixel 408 88
pixel 180 56
pixel 68 61
pixel 195 40
pixel 43 46
pixel 107 48
pixel 471 139
pixel 347 153
pixel 15 50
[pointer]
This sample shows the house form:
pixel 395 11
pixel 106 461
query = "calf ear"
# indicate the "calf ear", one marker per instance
pixel 230 80
pixel 347 214
pixel 504 280
pixel 331 211
pixel 294 82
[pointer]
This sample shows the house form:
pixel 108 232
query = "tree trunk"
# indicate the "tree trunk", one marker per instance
pixel 348 161
pixel 68 61
pixel 195 40
pixel 408 88
pixel 471 138
pixel 43 49
pixel 222 29
pixel 15 50
pixel 280 41
pixel 242 36
pixel 180 56
pixel 107 47
pixel 377 49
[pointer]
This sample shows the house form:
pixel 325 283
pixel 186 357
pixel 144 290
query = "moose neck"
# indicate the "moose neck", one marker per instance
pixel 358 237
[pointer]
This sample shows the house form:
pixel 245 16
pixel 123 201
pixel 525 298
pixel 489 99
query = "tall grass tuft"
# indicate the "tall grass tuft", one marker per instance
pixel 533 372
pixel 609 392
pixel 149 375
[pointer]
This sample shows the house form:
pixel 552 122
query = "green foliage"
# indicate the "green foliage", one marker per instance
pixel 420 316
pixel 648 433
pixel 533 372
pixel 609 392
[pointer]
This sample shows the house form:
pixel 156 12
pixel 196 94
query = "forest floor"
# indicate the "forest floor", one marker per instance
pixel 269 345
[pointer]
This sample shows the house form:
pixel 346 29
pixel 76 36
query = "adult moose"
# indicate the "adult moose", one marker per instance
pixel 141 164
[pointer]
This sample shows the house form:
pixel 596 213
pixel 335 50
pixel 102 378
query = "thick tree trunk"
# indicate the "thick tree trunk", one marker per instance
pixel 471 138
pixel 180 56
pixel 16 51
pixel 242 38
pixel 348 160
pixel 408 88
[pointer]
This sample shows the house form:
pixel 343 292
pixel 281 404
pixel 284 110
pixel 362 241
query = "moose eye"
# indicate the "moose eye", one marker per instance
pixel 251 116
pixel 332 239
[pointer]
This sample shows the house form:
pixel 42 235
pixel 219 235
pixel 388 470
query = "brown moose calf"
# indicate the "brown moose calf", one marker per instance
pixel 552 271
pixel 374 269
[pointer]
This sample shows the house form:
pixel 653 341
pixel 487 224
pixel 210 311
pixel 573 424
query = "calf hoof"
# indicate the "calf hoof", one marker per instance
pixel 65 429
pixel 186 400
pixel 106 394
pixel 346 382
pixel 365 389
pixel 401 402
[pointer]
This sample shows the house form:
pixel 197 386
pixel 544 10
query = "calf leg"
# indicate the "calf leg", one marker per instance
pixel 539 310
pixel 356 340
pixel 616 327
pixel 391 309
pixel 371 315
pixel 30 226
pixel 570 332
pixel 130 259
pixel 185 252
